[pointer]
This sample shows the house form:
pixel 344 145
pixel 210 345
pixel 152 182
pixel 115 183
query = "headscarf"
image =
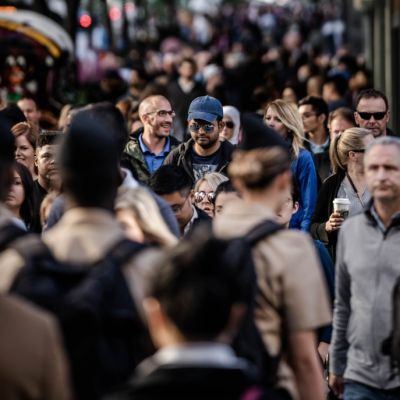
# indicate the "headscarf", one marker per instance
pixel 234 114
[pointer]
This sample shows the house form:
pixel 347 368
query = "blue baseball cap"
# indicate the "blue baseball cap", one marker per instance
pixel 206 108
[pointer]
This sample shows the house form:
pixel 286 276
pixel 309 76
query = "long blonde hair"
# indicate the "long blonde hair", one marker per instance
pixel 147 214
pixel 213 179
pixel 290 117
pixel 343 143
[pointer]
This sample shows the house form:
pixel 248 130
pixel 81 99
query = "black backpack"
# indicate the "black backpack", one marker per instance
pixel 248 342
pixel 104 335
pixel 391 346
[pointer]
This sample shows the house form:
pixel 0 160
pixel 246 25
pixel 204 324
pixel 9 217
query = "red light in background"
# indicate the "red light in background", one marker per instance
pixel 114 13
pixel 85 21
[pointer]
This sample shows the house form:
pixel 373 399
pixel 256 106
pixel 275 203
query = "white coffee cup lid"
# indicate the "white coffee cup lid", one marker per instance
pixel 341 200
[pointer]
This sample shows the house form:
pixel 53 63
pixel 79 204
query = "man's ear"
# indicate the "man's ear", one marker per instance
pixel 221 125
pixel 236 315
pixel 322 118
pixel 155 320
pixel 296 206
pixel 357 118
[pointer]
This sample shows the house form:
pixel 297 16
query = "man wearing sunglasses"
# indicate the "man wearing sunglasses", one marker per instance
pixel 145 153
pixel 372 112
pixel 203 152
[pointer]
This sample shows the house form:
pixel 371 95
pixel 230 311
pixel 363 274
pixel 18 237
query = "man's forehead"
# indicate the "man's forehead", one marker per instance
pixel 382 153
pixel 375 103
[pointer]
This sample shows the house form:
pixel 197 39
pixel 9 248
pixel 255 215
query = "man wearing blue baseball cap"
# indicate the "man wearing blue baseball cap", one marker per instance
pixel 203 152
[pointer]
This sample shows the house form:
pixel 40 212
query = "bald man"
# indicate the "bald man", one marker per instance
pixel 145 153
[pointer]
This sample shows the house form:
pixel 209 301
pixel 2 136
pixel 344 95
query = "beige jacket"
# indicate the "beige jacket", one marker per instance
pixel 292 293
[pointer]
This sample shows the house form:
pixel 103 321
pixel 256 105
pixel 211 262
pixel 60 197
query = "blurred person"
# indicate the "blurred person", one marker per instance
pixel 231 120
pixel 204 152
pixel 32 359
pixel 140 218
pixel 45 208
pixel 340 120
pixel 284 214
pixel 224 193
pixel 372 112
pixel 367 269
pixel 285 119
pixel 64 118
pixel 174 185
pixel 314 113
pixel 86 235
pixel 20 197
pixel 348 181
pixel 183 91
pixel 314 85
pixel 289 94
pixel 194 307
pixel 13 114
pixel 204 192
pixel 26 136
pixel 130 110
pixel 144 154
pixel 31 110
pixel 334 90
pixel 48 173
pixel 288 306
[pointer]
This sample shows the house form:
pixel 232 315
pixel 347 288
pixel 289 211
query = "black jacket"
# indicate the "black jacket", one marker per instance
pixel 323 210
pixel 182 156
pixel 321 160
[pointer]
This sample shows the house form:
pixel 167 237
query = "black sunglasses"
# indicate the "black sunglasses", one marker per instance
pixel 358 151
pixel 196 127
pixel 229 124
pixel 200 196
pixel 367 115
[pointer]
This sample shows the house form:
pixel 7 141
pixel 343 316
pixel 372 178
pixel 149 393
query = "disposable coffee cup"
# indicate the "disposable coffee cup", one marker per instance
pixel 341 206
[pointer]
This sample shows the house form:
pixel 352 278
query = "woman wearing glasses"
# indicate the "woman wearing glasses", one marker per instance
pixel 231 131
pixel 348 181
pixel 285 119
pixel 204 191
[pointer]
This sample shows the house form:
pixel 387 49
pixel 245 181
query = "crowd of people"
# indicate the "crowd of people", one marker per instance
pixel 181 238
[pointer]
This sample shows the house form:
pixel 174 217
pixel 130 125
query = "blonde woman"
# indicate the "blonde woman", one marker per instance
pixel 285 119
pixel 204 191
pixel 139 216
pixel 348 181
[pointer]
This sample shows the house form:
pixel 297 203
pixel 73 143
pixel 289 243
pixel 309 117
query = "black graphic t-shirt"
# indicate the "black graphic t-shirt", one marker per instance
pixel 204 165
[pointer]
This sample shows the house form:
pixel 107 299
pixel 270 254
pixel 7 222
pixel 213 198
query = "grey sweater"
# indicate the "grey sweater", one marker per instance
pixel 367 266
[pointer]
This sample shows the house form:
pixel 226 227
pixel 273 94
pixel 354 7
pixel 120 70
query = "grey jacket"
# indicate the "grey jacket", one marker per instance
pixel 367 266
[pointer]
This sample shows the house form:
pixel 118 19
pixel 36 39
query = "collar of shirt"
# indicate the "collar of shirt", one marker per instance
pixel 319 148
pixel 186 86
pixel 394 220
pixel 128 180
pixel 147 151
pixel 190 223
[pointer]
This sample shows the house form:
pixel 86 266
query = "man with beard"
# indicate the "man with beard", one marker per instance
pixel 204 152
pixel 145 153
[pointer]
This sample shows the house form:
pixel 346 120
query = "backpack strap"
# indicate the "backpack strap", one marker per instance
pixel 262 231
pixel 8 233
pixel 123 250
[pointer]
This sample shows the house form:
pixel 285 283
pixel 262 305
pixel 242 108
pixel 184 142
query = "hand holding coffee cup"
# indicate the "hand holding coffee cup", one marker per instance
pixel 341 208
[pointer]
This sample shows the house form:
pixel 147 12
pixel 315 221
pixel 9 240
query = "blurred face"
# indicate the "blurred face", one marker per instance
pixel 16 195
pixel 229 126
pixel 223 199
pixel 127 220
pixel 159 119
pixel 338 125
pixel 289 95
pixel 45 162
pixel 382 173
pixel 205 134
pixel 287 209
pixel 203 198
pixel 186 70
pixel 24 152
pixel 29 108
pixel 372 114
pixel 311 121
pixel 181 206
pixel 273 121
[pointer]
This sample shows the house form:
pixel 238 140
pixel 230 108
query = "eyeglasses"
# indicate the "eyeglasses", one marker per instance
pixel 229 124
pixel 200 196
pixel 196 127
pixel 163 113
pixel 367 115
